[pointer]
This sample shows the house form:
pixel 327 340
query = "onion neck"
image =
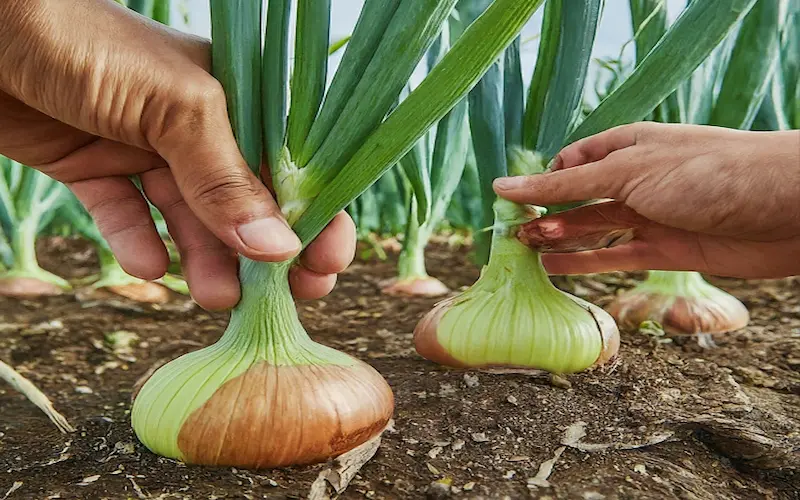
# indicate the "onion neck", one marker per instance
pixel 675 283
pixel 411 262
pixel 23 245
pixel 511 262
pixel 265 323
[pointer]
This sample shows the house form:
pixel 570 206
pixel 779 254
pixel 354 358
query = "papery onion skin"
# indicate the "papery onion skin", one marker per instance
pixel 265 394
pixel 683 303
pixel 27 288
pixel 261 419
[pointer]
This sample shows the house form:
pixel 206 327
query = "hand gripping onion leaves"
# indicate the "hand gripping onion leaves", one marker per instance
pixel 28 201
pixel 682 302
pixel 265 394
pixel 513 315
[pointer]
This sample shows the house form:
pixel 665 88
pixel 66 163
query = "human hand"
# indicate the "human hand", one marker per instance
pixel 91 93
pixel 686 197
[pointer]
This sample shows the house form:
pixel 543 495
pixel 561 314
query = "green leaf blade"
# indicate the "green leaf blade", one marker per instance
pixel 446 85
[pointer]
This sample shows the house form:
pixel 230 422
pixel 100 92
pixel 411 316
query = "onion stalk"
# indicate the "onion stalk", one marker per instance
pixel 28 201
pixel 265 394
pixel 513 316
pixel 433 168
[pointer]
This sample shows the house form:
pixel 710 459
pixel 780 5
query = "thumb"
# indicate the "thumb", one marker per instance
pixel 214 180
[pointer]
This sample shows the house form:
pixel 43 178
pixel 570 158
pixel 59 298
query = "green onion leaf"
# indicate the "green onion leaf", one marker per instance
pixel 275 78
pixel 412 30
pixel 369 31
pixel 680 50
pixel 310 69
pixel 236 63
pixel 449 82
pixel 565 88
pixel 751 66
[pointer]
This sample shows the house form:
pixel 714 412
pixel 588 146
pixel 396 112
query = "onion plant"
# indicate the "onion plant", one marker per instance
pixel 28 201
pixel 112 277
pixel 265 394
pixel 433 168
pixel 513 315
pixel 380 215
pixel 727 90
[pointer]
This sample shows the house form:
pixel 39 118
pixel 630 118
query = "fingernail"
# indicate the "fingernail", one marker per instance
pixel 507 183
pixel 270 236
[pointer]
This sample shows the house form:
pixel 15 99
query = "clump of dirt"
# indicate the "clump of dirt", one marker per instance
pixel 669 420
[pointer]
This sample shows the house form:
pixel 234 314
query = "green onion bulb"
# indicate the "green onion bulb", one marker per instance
pixel 682 302
pixel 514 316
pixel 264 395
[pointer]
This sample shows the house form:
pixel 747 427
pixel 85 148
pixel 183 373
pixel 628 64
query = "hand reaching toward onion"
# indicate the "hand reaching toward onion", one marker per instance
pixel 91 93
pixel 685 197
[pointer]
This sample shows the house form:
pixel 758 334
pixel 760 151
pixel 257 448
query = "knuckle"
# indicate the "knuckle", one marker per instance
pixel 222 188
pixel 202 93
pixel 187 111
pixel 115 216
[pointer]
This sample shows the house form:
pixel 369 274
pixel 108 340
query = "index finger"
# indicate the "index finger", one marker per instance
pixel 597 147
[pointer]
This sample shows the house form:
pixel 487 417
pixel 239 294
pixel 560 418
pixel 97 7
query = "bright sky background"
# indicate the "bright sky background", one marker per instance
pixel 614 31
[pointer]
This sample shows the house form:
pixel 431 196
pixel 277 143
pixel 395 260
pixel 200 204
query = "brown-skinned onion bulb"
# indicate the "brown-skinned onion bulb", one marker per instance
pixel 682 302
pixel 265 395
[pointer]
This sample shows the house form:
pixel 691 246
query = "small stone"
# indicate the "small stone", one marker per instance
pixel 123 448
pixel 458 444
pixel 479 437
pixel 435 451
pixel 510 474
pixel 83 389
pixel 446 389
pixel 89 480
pixel 471 380
pixel 641 469
pixel 272 482
pixel 560 382
pixel 512 400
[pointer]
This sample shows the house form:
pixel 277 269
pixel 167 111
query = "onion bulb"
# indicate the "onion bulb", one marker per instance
pixel 514 316
pixel 25 287
pixel 682 302
pixel 265 395
pixel 115 280
pixel 423 286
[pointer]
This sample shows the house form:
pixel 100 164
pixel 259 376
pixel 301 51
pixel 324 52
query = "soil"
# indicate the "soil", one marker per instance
pixel 670 419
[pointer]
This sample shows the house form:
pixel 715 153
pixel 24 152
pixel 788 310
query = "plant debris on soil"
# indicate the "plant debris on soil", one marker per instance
pixel 669 419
